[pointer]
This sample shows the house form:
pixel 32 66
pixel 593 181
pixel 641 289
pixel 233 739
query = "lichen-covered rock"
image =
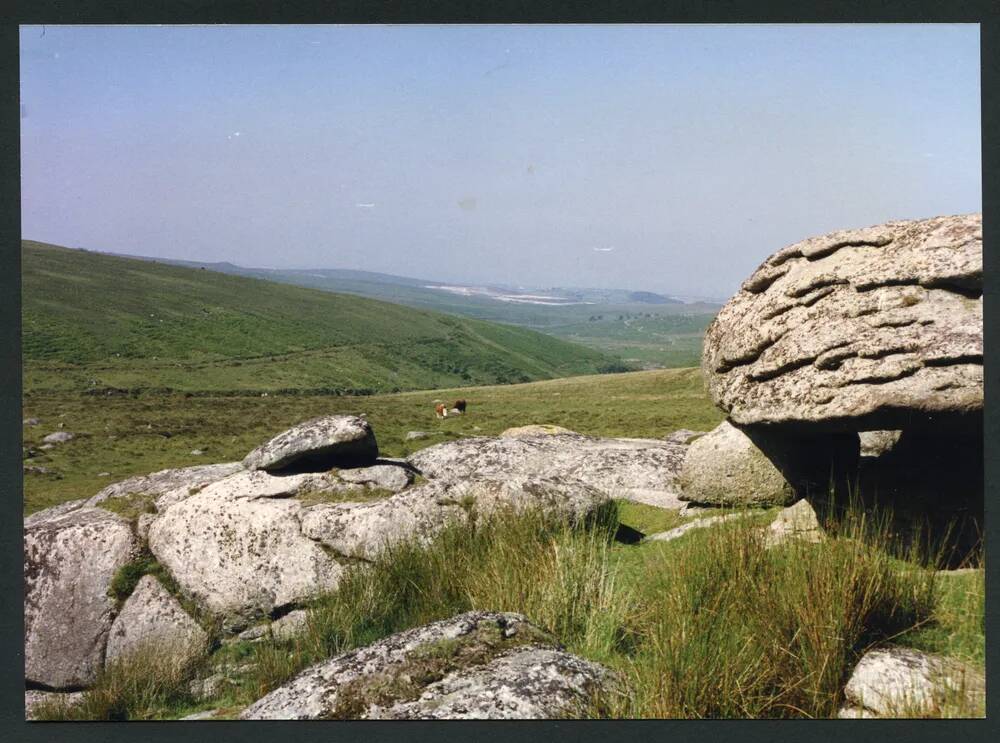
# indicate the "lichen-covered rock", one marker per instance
pixel 70 560
pixel 725 468
pixel 390 477
pixel 363 530
pixel 535 429
pixel 878 443
pixel 478 665
pixel 35 700
pixel 151 620
pixel 643 470
pixel 59 437
pixel 159 483
pixel 236 547
pixel 318 444
pixel 897 681
pixel 679 531
pixel 684 436
pixel 797 522
pixel 880 328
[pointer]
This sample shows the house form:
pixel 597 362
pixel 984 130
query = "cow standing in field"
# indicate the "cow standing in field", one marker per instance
pixel 459 406
pixel 440 410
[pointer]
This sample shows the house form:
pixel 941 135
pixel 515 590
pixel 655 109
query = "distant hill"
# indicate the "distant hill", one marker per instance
pixel 97 321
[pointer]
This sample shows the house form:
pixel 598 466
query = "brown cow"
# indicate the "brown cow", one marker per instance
pixel 440 410
pixel 459 406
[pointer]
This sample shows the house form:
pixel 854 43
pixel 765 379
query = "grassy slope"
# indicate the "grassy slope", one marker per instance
pixel 92 320
pixel 666 335
pixel 135 435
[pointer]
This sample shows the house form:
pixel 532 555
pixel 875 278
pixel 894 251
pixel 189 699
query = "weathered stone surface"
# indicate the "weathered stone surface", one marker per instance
pixel 236 547
pixel 383 476
pixel 725 468
pixel 797 522
pixel 679 531
pixel 880 328
pixel 153 620
pixel 292 624
pixel 535 429
pixel 69 562
pixel 478 665
pixel 160 483
pixel 896 681
pixel 58 437
pixel 362 530
pixel 877 443
pixel 318 444
pixel 636 469
pixel 684 436
pixel 33 699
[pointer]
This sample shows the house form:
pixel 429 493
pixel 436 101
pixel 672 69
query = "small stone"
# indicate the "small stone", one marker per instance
pixel 795 522
pixel 58 437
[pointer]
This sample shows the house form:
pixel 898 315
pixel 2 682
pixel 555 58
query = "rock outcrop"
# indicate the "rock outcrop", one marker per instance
pixel 902 682
pixel 879 328
pixel 318 444
pixel 643 470
pixel 363 530
pixel 236 547
pixel 479 665
pixel 160 483
pixel 70 560
pixel 725 468
pixel 153 621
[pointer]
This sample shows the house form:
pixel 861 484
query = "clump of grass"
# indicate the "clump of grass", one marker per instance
pixel 311 497
pixel 149 683
pixel 130 506
pixel 728 628
pixel 526 562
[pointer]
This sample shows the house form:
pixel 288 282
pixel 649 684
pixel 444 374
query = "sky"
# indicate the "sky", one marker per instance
pixel 660 158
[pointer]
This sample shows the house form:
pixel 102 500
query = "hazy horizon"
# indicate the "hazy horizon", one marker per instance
pixel 662 158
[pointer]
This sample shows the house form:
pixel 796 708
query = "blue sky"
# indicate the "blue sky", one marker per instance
pixel 664 158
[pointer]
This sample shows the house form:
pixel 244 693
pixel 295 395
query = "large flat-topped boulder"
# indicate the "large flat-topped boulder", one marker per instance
pixel 70 560
pixel 879 328
pixel 636 469
pixel 318 444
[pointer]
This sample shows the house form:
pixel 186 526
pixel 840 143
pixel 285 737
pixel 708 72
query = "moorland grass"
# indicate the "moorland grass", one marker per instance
pixel 127 436
pixel 712 625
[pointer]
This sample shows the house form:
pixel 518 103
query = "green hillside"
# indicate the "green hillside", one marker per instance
pixel 93 321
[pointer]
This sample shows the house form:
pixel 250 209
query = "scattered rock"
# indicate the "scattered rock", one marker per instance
pixel 30 422
pixel 33 698
pixel 292 624
pixel 70 560
pixel 897 681
pixel 103 474
pixel 153 619
pixel 197 452
pixel 384 476
pixel 680 531
pixel 478 665
pixel 208 714
pixel 46 447
pixel 795 522
pixel 877 443
pixel 417 435
pixel 684 436
pixel 643 470
pixel 58 437
pixel 34 469
pixel 363 530
pixel 318 444
pixel 725 468
pixel 880 328
pixel 536 429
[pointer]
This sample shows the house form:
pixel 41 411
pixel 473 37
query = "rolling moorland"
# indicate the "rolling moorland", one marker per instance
pixel 783 630
pixel 646 330
pixel 92 321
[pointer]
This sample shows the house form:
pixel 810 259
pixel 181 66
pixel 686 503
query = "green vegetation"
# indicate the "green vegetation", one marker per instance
pixel 709 625
pixel 125 435
pixel 98 323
